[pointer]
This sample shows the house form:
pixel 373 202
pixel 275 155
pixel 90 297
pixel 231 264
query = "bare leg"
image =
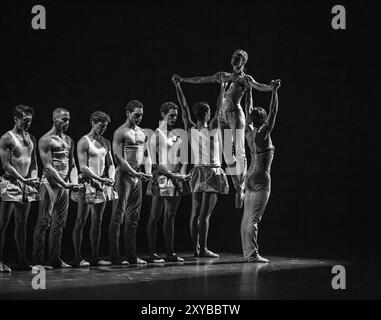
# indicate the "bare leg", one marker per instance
pixel 157 206
pixel 193 224
pixel 209 200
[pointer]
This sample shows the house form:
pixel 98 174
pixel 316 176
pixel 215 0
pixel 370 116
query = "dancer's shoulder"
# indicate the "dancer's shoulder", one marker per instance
pixel 222 76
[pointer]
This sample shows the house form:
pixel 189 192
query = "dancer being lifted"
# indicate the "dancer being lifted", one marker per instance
pixel 258 181
pixel 208 180
pixel 231 115
pixel 60 175
pixel 19 183
pixel 97 174
pixel 131 152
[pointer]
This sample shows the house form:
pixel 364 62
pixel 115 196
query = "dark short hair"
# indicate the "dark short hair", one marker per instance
pixel 59 110
pixel 260 113
pixel 99 116
pixel 200 109
pixel 166 106
pixel 19 111
pixel 130 107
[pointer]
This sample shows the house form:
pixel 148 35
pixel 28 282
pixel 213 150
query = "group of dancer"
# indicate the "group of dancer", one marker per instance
pixel 114 172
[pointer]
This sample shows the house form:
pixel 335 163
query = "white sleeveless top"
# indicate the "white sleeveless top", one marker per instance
pixel 205 147
pixel 96 157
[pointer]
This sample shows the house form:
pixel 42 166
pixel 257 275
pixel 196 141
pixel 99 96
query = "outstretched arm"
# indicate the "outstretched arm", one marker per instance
pixel 185 113
pixel 217 77
pixel 249 109
pixel 273 107
pixel 259 86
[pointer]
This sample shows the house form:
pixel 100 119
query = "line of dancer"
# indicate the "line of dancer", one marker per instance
pixel 114 172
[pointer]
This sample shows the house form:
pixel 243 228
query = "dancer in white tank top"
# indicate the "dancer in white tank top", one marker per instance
pixel 19 183
pixel 207 177
pixel 97 175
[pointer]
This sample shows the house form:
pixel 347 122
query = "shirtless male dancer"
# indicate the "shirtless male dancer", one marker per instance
pixel 97 169
pixel 59 176
pixel 231 115
pixel 167 185
pixel 258 181
pixel 208 180
pixel 129 146
pixel 19 183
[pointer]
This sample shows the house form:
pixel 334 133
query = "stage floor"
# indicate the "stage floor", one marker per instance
pixel 197 279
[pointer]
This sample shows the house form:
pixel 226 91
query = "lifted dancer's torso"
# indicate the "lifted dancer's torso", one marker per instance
pixel 233 91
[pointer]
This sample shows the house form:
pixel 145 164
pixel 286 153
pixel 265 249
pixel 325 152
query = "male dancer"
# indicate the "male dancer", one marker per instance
pixel 19 183
pixel 207 177
pixel 59 176
pixel 258 181
pixel 129 150
pixel 167 185
pixel 231 115
pixel 97 173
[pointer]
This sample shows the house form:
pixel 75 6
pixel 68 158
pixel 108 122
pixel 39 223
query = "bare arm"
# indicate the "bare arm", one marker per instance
pixel 217 77
pixel 148 163
pixel 248 109
pixel 7 144
pixel 110 166
pixel 185 113
pixel 273 108
pixel 33 166
pixel 259 86
pixel 72 166
pixel 45 148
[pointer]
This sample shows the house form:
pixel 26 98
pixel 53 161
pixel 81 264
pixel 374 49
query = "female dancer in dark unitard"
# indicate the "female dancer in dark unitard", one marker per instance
pixel 258 181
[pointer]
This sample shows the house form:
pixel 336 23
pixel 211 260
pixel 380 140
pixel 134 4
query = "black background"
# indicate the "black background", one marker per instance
pixel 100 55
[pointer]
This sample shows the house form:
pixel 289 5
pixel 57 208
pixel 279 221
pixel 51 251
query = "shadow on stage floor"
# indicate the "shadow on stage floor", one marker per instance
pixel 225 278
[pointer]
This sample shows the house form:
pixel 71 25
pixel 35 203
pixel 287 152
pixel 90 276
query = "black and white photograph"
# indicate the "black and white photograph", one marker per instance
pixel 187 157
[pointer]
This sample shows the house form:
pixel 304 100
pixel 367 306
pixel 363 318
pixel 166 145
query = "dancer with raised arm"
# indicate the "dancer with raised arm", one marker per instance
pixel 59 176
pixel 19 184
pixel 168 184
pixel 97 174
pixel 231 115
pixel 208 180
pixel 259 126
pixel 131 152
